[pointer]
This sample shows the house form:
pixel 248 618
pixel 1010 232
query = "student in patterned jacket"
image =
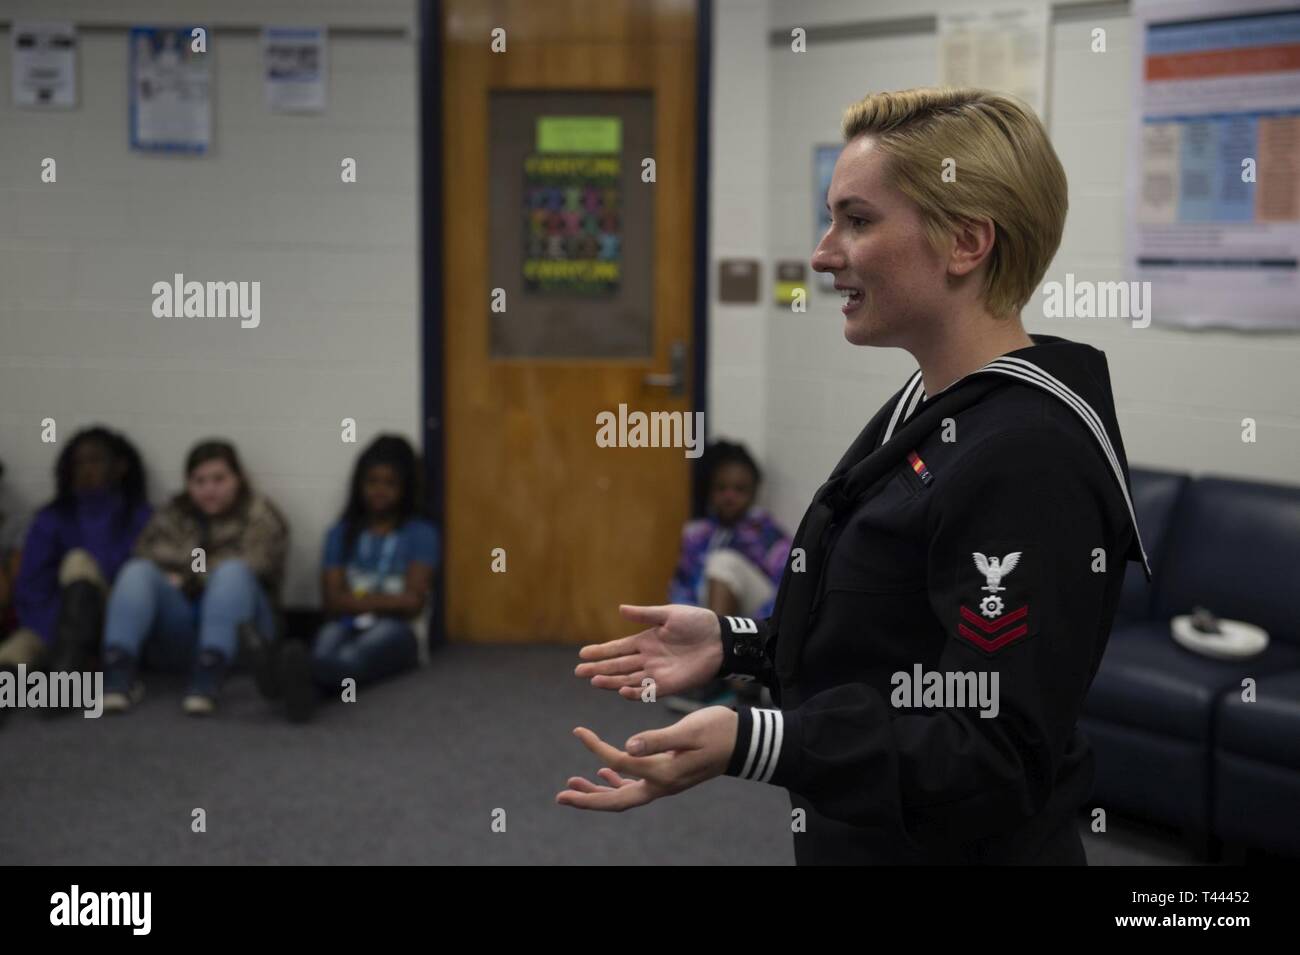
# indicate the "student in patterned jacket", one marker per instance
pixel 176 608
pixel 731 560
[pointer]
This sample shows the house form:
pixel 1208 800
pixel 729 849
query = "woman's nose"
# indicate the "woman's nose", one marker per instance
pixel 826 258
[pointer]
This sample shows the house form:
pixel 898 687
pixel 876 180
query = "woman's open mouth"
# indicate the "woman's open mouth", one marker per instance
pixel 852 298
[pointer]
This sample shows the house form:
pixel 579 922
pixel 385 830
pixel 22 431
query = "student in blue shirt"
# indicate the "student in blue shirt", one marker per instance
pixel 377 572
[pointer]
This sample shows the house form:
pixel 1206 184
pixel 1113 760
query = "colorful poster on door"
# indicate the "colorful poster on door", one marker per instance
pixel 572 224
pixel 573 214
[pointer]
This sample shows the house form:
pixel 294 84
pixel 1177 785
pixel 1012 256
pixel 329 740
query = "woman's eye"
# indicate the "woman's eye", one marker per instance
pixel 858 221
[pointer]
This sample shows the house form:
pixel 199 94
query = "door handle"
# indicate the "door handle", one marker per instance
pixel 674 379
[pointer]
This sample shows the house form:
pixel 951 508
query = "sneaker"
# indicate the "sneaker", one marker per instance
pixel 296 681
pixel 714 693
pixel 122 689
pixel 264 659
pixel 205 684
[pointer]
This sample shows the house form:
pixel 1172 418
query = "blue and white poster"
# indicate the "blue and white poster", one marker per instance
pixel 1213 208
pixel 824 158
pixel 171 90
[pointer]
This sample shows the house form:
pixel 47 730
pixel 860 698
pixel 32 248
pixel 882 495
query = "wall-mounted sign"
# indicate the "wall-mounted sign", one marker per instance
pixel 294 60
pixel 738 281
pixel 790 277
pixel 580 134
pixel 44 64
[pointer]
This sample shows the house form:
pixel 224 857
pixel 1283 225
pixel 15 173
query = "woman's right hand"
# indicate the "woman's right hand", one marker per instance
pixel 681 648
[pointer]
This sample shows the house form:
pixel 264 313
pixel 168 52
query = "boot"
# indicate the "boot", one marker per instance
pixel 76 632
pixel 79 628
pixel 296 682
pixel 263 657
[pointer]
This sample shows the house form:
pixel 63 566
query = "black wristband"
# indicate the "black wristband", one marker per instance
pixel 744 652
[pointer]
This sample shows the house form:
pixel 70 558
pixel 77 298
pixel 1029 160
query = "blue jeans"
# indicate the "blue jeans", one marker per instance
pixel 385 648
pixel 145 612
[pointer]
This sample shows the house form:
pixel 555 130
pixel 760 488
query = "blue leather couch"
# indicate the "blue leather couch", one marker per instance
pixel 1174 742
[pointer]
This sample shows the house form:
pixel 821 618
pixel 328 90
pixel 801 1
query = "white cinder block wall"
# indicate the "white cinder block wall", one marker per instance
pixel 738 220
pixel 338 263
pixel 1181 395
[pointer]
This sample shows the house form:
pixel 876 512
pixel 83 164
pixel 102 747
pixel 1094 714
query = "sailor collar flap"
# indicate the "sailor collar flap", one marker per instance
pixel 886 440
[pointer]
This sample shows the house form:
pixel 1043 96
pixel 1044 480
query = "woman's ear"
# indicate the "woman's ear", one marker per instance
pixel 972 242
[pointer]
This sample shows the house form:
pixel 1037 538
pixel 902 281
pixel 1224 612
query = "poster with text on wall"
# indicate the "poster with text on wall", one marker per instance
pixel 997 47
pixel 44 64
pixel 294 60
pixel 824 159
pixel 572 207
pixel 171 90
pixel 1214 186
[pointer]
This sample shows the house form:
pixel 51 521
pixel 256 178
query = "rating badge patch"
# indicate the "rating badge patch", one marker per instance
pixel 990 618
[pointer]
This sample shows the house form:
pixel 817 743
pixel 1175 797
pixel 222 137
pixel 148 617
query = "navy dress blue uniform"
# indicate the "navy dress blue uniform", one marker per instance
pixel 982 530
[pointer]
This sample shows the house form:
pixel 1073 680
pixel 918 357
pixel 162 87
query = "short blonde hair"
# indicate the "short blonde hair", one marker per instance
pixel 1006 171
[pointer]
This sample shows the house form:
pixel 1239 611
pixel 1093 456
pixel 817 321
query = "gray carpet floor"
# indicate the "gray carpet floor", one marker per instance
pixel 411 773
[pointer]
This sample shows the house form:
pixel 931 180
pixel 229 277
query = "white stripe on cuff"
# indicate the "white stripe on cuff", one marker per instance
pixel 767 730
pixel 742 625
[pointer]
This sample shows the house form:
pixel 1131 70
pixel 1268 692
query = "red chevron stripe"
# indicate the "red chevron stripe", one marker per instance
pixel 997 642
pixel 997 623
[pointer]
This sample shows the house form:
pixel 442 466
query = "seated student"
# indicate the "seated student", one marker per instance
pixel 731 560
pixel 11 535
pixel 179 617
pixel 377 572
pixel 74 549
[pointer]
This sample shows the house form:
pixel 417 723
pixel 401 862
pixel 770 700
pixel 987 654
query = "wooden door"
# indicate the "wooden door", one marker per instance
pixel 581 527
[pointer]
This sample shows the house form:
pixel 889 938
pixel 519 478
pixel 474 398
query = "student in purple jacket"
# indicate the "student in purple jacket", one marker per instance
pixel 73 550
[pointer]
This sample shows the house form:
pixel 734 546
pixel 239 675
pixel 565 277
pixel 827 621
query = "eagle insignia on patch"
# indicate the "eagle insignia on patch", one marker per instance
pixel 993 626
pixel 994 569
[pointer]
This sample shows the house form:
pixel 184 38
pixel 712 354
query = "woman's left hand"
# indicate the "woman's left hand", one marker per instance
pixel 695 748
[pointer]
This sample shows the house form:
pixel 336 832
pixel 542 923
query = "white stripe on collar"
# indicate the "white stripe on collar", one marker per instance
pixel 917 397
pixel 910 391
pixel 1028 371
